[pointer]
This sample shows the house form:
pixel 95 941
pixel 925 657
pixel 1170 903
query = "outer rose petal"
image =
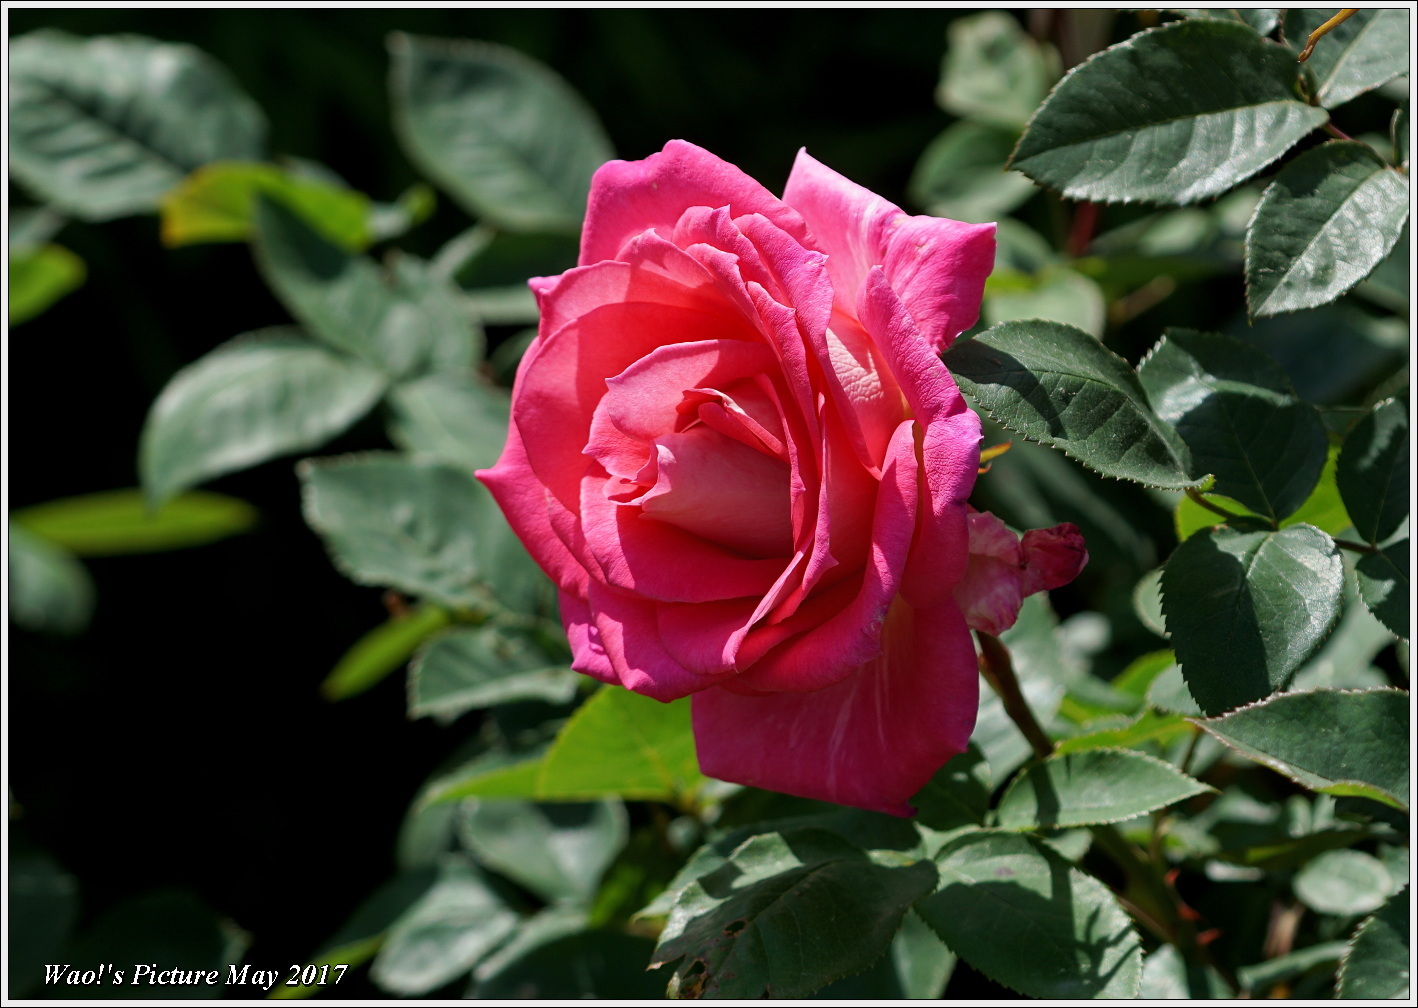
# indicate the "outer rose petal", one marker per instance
pixel 872 740
pixel 936 266
pixel 1003 571
pixel 631 197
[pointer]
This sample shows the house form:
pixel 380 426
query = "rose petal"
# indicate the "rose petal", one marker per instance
pixel 588 654
pixel 631 197
pixel 937 266
pixel 631 641
pixel 1003 571
pixel 872 740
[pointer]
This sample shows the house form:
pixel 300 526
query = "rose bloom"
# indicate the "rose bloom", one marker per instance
pixel 736 451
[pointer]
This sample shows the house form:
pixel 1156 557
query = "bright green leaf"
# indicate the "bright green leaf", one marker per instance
pixel 417 525
pixel 961 175
pixel 1350 742
pixel 119 522
pixel 1149 726
pixel 1373 471
pixel 557 851
pixel 1058 385
pixel 1172 115
pixel 1368 49
pixel 772 920
pixel 1138 676
pixel 405 321
pixel 1329 218
pixel 1235 410
pixel 1343 882
pixel 456 417
pixel 469 668
pixel 1376 967
pixel 445 934
pixel 254 398
pixel 217 203
pixel 622 743
pixel 604 965
pixel 50 590
pixel 507 137
pixel 993 71
pixel 1001 893
pixel 1383 585
pixel 1246 609
pixel 1090 788
pixel 40 276
pixel 101 127
pixel 381 651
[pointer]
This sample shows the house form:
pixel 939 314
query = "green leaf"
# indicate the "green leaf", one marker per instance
pixel 1262 19
pixel 1324 509
pixel 102 127
pixel 1343 882
pixel 1349 742
pixel 923 963
pixel 1376 966
pixel 1055 294
pixel 1246 609
pixel 1001 893
pixel 1238 415
pixel 445 934
pixel 961 175
pixel 456 417
pixel 1141 672
pixel 1173 115
pixel 1383 585
pixel 605 965
pixel 1149 726
pixel 511 305
pixel 417 525
pixel 217 203
pixel 1168 692
pixel 1091 787
pixel 405 321
pixel 1259 978
pixel 254 398
pixel 617 744
pixel 1373 471
pixel 507 137
pixel 1329 218
pixel 993 71
pixel 119 522
pixel 1356 55
pixel 622 743
pixel 469 668
pixel 381 651
pixel 785 915
pixel 1166 976
pixel 557 851
pixel 957 795
pixel 40 276
pixel 1059 386
pixel 50 590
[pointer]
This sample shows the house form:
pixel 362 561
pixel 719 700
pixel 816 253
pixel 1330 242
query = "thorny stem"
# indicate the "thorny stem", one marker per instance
pixel 1150 899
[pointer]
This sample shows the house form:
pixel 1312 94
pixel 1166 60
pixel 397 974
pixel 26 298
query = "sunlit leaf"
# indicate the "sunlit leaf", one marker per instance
pixel 50 590
pixel 1091 787
pixel 474 667
pixel 119 522
pixel 1173 115
pixel 558 851
pixel 1343 882
pixel 381 651
pixel 39 276
pixel 1368 49
pixel 993 71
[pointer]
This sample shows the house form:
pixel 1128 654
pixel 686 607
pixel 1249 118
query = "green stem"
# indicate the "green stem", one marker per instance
pixel 1196 496
pixel 998 670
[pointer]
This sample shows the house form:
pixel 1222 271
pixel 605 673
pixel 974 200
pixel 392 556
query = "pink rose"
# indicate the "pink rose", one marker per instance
pixel 736 451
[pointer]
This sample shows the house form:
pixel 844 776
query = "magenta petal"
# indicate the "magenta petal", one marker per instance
pixel 630 638
pixel 588 654
pixel 631 197
pixel 1052 557
pixel 871 741
pixel 1003 571
pixel 937 266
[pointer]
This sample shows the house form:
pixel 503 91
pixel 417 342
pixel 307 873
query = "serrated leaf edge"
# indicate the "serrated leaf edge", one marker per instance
pixel 1202 788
